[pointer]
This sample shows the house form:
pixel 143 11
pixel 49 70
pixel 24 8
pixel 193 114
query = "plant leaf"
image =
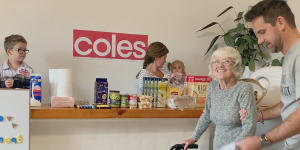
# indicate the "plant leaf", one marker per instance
pixel 245 61
pixel 249 40
pixel 215 47
pixel 276 62
pixel 207 26
pixel 262 54
pixel 213 41
pixel 241 48
pixel 237 19
pixel 229 40
pixel 282 58
pixel 224 11
pixel 251 65
pixel 240 14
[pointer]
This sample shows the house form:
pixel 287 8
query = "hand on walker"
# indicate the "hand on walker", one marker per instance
pixel 188 142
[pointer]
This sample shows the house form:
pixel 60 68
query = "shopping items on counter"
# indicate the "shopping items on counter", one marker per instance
pixel 176 85
pixel 101 91
pixel 181 102
pixel 196 86
pixel 35 90
pixel 145 102
pixel 132 99
pixel 60 81
pixel 114 98
pixel 62 102
pixel 157 88
pixel 124 101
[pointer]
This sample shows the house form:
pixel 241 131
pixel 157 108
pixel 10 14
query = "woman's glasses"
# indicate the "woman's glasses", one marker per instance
pixel 223 62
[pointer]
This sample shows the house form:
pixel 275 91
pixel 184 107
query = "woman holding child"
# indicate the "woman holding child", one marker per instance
pixel 226 96
pixel 153 62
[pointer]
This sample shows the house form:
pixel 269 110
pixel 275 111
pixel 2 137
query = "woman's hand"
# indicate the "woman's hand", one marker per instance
pixel 9 83
pixel 188 142
pixel 243 113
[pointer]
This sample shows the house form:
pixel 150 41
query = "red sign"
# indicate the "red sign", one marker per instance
pixel 109 45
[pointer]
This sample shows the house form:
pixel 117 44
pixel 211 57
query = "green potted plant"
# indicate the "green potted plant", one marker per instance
pixel 240 37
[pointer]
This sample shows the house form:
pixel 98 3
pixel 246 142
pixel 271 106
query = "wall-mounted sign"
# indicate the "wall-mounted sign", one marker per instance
pixel 99 44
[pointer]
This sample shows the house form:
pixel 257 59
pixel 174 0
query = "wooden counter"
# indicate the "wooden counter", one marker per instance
pixel 74 113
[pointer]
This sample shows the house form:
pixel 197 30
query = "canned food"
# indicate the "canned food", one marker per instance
pixel 132 101
pixel 124 101
pixel 114 98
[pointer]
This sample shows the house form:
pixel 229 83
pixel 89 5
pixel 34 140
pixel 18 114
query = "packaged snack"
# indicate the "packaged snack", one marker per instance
pixel 35 90
pixel 145 105
pixel 101 91
pixel 199 90
pixel 181 102
pixel 176 85
pixel 161 100
pixel 157 88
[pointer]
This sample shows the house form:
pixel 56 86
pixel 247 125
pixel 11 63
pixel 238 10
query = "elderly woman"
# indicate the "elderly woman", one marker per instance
pixel 226 96
pixel 153 63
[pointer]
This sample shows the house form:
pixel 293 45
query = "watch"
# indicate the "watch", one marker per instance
pixel 264 140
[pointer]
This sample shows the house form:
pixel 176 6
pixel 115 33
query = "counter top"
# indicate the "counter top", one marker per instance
pixel 75 113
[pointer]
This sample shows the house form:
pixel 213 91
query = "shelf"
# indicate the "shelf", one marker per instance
pixel 75 113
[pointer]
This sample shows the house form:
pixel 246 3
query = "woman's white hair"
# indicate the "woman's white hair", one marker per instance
pixel 227 52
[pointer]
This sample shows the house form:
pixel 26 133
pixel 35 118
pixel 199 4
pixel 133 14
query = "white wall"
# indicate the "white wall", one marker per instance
pixel 48 26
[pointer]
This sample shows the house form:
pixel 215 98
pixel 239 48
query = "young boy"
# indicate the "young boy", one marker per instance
pixel 14 72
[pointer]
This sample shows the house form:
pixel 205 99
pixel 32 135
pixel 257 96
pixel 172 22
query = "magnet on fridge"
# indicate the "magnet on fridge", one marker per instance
pixel 14 140
pixel 14 125
pixel 9 118
pixel 6 140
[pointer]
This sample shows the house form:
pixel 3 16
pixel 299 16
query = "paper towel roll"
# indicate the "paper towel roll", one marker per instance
pixel 60 82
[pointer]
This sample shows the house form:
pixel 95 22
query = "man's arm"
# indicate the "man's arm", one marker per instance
pixel 287 128
pixel 273 112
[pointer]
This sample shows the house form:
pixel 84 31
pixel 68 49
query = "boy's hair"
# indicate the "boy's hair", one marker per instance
pixel 178 62
pixel 270 10
pixel 12 40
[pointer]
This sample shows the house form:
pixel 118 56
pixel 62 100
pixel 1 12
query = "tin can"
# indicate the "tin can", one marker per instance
pixel 114 98
pixel 35 90
pixel 124 101
pixel 132 99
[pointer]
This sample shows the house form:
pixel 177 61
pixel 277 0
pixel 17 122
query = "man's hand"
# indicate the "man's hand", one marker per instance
pixel 9 83
pixel 188 142
pixel 249 143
